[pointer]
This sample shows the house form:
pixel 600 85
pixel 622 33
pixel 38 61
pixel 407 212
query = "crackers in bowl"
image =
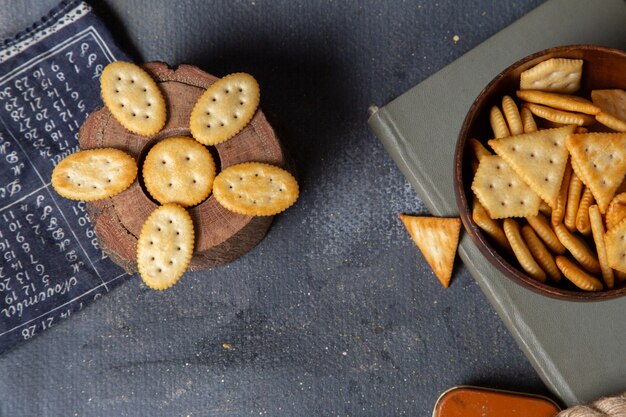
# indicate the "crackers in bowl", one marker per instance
pixel 567 153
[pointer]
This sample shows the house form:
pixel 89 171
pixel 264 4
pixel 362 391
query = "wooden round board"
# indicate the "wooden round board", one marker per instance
pixel 221 236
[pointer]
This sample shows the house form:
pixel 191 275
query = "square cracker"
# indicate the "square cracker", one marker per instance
pixel 559 75
pixel 539 158
pixel 599 160
pixel 438 239
pixel 502 192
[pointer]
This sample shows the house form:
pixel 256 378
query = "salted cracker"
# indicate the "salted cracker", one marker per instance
pixel 179 170
pixel 437 239
pixel 577 275
pixel 542 228
pixel 560 116
pixel 616 211
pixel 560 75
pixel 225 108
pixel 502 192
pixel 611 101
pixel 528 121
pixel 94 174
pixel 489 225
pixel 574 193
pixel 540 253
pixel 615 240
pixel 512 116
pixel 165 246
pixel 539 158
pixel 582 217
pixel 599 160
pixel 559 101
pixel 578 248
pixel 255 189
pixel 597 227
pixel 611 122
pixel 522 251
pixel 133 98
pixel 498 123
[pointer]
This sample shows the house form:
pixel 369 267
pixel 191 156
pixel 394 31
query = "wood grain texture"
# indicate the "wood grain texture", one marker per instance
pixel 221 236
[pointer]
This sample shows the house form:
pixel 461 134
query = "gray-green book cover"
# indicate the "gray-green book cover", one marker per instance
pixel 578 349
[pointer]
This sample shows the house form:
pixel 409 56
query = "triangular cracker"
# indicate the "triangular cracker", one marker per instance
pixel 502 192
pixel 437 238
pixel 599 160
pixel 538 157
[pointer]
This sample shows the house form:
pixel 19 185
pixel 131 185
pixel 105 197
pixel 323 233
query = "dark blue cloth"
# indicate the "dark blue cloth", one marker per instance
pixel 50 263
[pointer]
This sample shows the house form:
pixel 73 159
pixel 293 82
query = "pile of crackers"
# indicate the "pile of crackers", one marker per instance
pixel 554 193
pixel 178 172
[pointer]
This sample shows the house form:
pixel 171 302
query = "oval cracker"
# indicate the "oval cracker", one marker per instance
pixel 133 98
pixel 165 246
pixel 255 189
pixel 94 174
pixel 225 108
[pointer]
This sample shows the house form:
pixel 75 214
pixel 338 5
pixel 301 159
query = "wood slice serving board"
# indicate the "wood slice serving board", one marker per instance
pixel 221 235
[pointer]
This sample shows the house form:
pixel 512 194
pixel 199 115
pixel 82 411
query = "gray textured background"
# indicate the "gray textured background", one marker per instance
pixel 335 313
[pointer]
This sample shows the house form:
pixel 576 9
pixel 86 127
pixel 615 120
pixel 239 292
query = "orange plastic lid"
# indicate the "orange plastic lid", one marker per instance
pixel 480 402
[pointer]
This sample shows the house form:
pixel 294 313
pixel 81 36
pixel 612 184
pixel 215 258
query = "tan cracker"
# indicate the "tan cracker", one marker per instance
pixel 165 246
pixel 616 211
pixel 578 248
pixel 559 101
pixel 94 174
pixel 560 116
pixel 528 121
pixel 577 276
pixel 540 253
pixel 502 192
pixel 225 108
pixel 512 115
pixel 133 98
pixel 559 75
pixel 582 217
pixel 255 189
pixel 611 101
pixel 599 160
pixel 489 225
pixel 521 250
pixel 611 122
pixel 542 227
pixel 179 170
pixel 597 227
pixel 539 158
pixel 573 199
pixel 498 124
pixel 558 212
pixel 437 239
pixel 615 240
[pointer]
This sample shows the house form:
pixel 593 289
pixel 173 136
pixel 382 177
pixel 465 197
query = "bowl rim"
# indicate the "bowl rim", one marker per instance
pixel 477 236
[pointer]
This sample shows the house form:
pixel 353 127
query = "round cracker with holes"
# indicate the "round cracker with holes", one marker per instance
pixel 165 246
pixel 255 189
pixel 224 109
pixel 133 98
pixel 179 170
pixel 94 174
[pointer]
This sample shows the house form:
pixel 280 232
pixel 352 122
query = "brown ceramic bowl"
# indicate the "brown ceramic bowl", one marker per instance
pixel 603 68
